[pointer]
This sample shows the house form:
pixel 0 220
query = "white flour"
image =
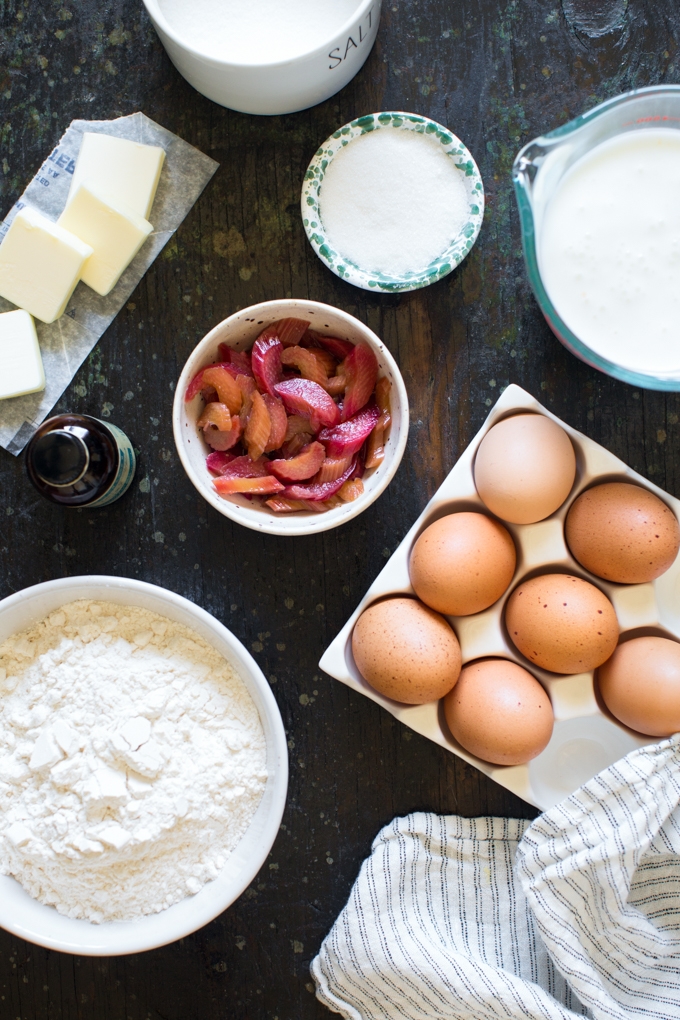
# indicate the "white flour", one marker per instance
pixel 257 31
pixel 392 201
pixel 132 759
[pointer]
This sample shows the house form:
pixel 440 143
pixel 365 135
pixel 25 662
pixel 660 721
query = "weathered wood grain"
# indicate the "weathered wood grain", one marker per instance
pixel 496 74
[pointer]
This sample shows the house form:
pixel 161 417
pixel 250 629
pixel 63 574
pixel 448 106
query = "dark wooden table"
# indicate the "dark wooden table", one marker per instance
pixel 495 73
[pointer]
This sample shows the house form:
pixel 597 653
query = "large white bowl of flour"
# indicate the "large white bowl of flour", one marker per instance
pixel 140 832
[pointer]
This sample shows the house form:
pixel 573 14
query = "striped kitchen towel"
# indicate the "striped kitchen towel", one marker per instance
pixel 484 918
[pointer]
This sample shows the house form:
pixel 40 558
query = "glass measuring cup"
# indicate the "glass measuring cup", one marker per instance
pixel 538 169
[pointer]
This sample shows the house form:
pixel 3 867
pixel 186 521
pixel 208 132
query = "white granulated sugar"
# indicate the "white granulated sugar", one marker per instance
pixel 257 31
pixel 392 201
pixel 132 759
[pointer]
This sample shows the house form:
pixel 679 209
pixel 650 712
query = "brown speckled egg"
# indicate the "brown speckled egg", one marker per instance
pixel 622 532
pixel 640 685
pixel 406 651
pixel 525 468
pixel 462 563
pixel 562 623
pixel 499 712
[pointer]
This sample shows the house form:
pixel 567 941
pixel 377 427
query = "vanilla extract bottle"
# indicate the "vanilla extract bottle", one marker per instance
pixel 76 460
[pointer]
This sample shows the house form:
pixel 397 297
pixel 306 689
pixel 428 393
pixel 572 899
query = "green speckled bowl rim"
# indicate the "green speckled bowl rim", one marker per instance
pixel 460 245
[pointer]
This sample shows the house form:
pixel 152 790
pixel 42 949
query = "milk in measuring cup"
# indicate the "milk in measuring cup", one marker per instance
pixel 609 250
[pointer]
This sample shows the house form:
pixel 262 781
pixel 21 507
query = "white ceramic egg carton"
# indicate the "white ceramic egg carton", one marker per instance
pixel 585 738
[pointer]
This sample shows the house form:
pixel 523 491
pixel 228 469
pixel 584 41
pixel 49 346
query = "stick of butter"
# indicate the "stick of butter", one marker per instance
pixel 21 367
pixel 114 232
pixel 126 171
pixel 40 264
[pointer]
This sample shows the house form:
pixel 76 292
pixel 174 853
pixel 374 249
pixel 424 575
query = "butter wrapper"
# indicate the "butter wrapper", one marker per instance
pixel 65 344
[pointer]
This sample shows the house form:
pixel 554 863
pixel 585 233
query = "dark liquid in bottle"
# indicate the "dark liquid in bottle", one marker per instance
pixel 72 459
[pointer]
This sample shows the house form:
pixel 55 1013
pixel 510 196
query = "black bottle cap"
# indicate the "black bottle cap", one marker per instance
pixel 60 458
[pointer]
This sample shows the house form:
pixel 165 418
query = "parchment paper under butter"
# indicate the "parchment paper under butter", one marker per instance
pixel 66 343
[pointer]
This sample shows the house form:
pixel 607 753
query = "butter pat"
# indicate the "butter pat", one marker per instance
pixel 114 232
pixel 21 367
pixel 40 264
pixel 127 172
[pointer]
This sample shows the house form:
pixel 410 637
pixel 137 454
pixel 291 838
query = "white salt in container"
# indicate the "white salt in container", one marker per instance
pixel 266 57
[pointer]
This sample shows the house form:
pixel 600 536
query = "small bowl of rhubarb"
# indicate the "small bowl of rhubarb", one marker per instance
pixel 290 417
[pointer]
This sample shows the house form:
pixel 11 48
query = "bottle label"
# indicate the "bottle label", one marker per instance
pixel 127 464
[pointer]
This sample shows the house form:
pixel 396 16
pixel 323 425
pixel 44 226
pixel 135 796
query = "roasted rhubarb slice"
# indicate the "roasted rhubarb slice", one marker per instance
pixel 200 383
pixel 359 464
pixel 338 348
pixel 281 505
pixel 238 360
pixel 297 425
pixel 351 490
pixel 382 399
pixel 292 447
pixel 316 491
pixel 263 486
pixel 306 361
pixel 197 383
pixel 258 427
pixel 244 467
pixel 236 370
pixel 223 441
pixel 308 399
pixel 336 385
pixel 247 385
pixel 375 448
pixel 266 362
pixel 318 506
pixel 289 331
pixel 349 436
pixel 279 423
pixel 297 469
pixel 216 416
pixel 361 369
pixel 218 462
pixel 210 395
pixel 226 386
pixel 333 467
pixel 326 359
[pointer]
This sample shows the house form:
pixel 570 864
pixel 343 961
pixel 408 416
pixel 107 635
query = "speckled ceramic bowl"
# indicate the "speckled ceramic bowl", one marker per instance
pixel 459 245
pixel 240 331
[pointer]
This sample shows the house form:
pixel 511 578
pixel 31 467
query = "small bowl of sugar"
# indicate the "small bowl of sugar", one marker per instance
pixel 392 202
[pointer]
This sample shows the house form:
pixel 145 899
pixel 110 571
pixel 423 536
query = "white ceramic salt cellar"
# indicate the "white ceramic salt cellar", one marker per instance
pixel 287 85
